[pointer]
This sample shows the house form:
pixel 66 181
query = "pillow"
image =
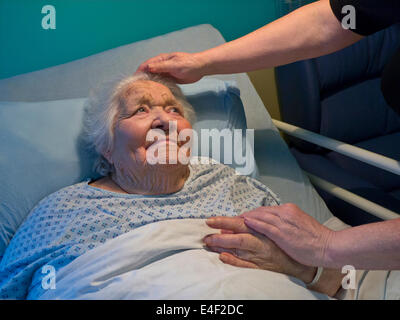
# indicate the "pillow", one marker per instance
pixel 42 148
pixel 218 106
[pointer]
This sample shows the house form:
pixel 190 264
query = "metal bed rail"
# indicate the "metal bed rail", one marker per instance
pixel 360 154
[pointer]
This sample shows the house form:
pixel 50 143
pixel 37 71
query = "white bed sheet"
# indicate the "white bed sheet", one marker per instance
pixel 166 260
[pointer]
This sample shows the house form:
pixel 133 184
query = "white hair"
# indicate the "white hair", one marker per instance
pixel 104 107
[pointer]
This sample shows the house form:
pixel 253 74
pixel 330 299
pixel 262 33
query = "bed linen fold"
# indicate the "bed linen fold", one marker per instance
pixel 167 260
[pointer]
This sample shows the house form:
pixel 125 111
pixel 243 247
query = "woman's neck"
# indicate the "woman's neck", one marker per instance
pixel 161 180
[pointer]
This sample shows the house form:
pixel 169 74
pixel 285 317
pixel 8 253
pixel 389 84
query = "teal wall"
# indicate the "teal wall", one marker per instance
pixel 85 27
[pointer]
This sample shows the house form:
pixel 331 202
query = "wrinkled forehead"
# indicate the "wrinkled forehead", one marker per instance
pixel 142 91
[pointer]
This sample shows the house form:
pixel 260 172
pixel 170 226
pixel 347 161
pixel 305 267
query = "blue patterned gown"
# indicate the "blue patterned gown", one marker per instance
pixel 75 219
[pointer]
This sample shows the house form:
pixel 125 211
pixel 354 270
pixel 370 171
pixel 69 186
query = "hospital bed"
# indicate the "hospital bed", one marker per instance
pixel 31 168
pixel 340 97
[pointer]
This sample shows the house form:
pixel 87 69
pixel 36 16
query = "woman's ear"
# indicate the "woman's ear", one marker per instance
pixel 108 155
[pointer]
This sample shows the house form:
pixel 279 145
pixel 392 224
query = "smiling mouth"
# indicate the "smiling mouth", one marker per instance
pixel 166 141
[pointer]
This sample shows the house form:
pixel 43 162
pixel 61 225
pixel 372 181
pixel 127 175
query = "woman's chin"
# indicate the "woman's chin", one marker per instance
pixel 171 166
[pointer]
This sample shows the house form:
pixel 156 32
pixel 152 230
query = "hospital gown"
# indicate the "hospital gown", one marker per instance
pixel 78 218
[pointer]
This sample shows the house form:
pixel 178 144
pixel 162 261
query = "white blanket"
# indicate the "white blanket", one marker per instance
pixel 167 260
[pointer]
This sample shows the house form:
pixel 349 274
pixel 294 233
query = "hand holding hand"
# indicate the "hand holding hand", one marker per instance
pixel 294 231
pixel 242 247
pixel 183 67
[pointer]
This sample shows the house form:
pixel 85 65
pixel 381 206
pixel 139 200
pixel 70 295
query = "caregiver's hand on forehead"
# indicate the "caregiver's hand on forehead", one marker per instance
pixel 182 67
pixel 243 247
pixel 295 232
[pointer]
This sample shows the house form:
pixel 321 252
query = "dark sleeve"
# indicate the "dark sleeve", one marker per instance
pixel 390 83
pixel 371 15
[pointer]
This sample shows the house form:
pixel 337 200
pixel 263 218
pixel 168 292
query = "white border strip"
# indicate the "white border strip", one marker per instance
pixel 366 156
pixel 352 198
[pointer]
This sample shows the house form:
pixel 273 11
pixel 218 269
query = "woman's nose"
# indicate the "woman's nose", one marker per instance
pixel 161 120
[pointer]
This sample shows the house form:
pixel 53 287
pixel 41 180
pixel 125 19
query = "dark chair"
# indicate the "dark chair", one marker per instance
pixel 339 96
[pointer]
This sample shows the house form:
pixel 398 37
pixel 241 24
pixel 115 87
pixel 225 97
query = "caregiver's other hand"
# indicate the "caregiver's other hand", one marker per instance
pixel 181 66
pixel 294 231
pixel 242 247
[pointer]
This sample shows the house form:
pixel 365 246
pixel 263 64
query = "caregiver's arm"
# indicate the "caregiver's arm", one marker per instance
pixel 311 31
pixel 371 246
pixel 374 246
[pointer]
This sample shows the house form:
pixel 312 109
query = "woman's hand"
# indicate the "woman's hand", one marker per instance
pixel 183 67
pixel 242 247
pixel 294 231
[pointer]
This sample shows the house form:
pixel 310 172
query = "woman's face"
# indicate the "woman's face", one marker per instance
pixel 148 105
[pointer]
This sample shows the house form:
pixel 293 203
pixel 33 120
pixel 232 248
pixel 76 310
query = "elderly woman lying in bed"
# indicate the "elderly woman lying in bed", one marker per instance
pixel 133 192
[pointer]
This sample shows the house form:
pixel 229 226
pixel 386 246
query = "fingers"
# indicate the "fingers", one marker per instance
pixel 144 67
pixel 226 231
pixel 283 211
pixel 160 66
pixel 228 223
pixel 268 230
pixel 267 214
pixel 234 252
pixel 240 241
pixel 234 261
pixel 262 221
pixel 235 257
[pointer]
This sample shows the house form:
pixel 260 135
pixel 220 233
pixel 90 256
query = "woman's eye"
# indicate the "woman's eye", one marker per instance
pixel 174 109
pixel 140 110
